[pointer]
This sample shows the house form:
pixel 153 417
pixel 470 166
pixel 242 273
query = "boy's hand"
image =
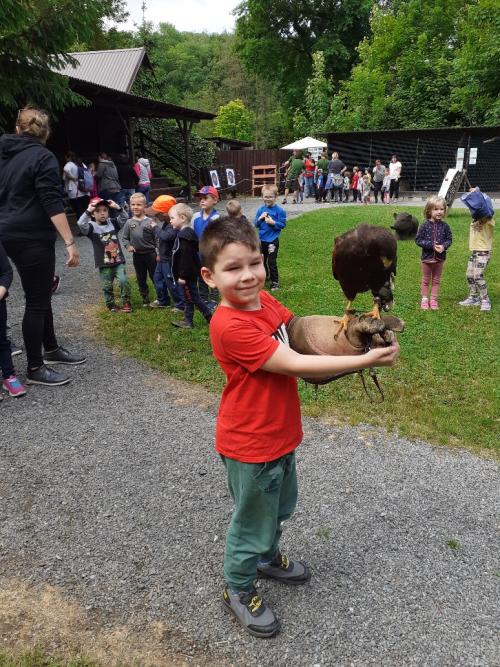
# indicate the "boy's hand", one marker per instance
pixel 3 292
pixel 131 248
pixel 181 281
pixel 113 204
pixel 383 356
pixel 263 216
pixel 269 220
pixel 90 209
pixel 439 248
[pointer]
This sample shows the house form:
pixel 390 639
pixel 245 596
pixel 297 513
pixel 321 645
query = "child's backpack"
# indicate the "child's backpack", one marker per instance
pixel 85 179
pixel 338 180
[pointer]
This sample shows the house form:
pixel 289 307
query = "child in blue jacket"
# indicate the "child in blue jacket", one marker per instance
pixel 270 220
pixel 434 237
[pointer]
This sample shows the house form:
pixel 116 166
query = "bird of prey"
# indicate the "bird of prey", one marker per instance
pixel 405 226
pixel 364 259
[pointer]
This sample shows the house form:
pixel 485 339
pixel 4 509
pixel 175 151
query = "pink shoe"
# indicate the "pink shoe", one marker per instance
pixel 13 386
pixel 424 304
pixel 434 304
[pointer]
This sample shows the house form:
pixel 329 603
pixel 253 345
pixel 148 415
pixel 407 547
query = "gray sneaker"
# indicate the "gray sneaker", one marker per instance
pixel 285 570
pixel 470 301
pixel 182 324
pixel 252 613
pixel 47 376
pixel 62 356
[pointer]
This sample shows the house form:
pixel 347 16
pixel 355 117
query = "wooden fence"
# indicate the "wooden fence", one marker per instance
pixel 242 163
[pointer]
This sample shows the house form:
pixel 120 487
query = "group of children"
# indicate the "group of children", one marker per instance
pixel 163 240
pixel 316 181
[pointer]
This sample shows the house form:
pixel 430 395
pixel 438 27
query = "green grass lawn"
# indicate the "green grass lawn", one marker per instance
pixel 445 386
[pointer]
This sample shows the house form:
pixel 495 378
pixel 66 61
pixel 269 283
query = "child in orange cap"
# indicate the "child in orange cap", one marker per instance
pixel 165 235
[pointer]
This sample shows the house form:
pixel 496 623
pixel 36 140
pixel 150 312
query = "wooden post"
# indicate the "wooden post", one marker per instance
pixel 185 130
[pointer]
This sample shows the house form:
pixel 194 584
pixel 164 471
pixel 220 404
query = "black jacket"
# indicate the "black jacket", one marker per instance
pixel 165 236
pixel 185 259
pixel 126 174
pixel 5 269
pixel 30 189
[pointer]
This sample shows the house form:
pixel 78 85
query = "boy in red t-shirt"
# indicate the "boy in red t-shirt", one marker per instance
pixel 259 424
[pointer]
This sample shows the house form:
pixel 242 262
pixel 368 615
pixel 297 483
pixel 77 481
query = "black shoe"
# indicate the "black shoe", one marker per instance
pixel 62 356
pixel 112 307
pixel 182 324
pixel 47 376
pixel 252 612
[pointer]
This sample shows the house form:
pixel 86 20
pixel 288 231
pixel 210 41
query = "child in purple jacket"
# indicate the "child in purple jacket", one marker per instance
pixel 434 237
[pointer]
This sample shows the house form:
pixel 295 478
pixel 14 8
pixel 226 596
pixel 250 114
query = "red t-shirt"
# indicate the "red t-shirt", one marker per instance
pixel 259 413
pixel 310 167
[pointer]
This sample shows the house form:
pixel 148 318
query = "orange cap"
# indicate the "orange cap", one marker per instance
pixel 161 204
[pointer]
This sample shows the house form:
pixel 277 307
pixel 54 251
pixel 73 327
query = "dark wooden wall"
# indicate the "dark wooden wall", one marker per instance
pixel 426 155
pixel 242 162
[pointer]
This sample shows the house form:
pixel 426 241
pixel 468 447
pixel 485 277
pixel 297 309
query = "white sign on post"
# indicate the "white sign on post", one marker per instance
pixel 460 159
pixel 473 156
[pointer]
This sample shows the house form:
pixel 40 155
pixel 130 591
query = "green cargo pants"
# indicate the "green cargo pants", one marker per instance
pixel 265 495
pixel 107 275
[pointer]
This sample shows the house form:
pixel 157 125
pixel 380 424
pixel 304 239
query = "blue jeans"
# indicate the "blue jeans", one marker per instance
pixel 309 187
pixel 165 286
pixel 145 189
pixel 192 298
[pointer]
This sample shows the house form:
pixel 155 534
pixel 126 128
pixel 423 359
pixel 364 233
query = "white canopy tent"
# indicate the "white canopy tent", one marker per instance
pixel 305 144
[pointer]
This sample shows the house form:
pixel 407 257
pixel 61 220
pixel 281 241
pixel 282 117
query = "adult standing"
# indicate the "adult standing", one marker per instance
pixel 108 183
pixel 31 212
pixel 378 172
pixel 336 168
pixel 144 174
pixel 310 168
pixel 395 167
pixel 128 180
pixel 322 177
pixel 78 199
pixel 295 168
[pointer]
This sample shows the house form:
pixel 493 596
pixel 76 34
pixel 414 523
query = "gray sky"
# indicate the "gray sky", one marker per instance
pixel 192 15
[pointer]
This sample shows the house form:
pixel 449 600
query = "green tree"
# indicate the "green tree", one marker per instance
pixel 235 121
pixel 276 39
pixel 313 117
pixel 475 80
pixel 428 63
pixel 35 36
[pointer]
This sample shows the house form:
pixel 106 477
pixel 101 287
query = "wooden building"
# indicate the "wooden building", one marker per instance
pixel 107 123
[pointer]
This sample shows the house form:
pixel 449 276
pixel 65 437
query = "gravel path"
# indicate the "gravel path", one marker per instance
pixel 110 490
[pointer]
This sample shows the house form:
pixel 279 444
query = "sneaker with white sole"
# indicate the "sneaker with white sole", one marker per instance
pixel 14 386
pixel 470 301
pixel 485 305
pixel 285 570
pixel 47 376
pixel 157 304
pixel 252 613
pixel 62 356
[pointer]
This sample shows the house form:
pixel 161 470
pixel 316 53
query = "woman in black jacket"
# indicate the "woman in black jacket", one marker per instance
pixel 31 211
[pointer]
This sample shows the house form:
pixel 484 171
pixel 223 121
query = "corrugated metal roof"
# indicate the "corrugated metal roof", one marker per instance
pixel 115 69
